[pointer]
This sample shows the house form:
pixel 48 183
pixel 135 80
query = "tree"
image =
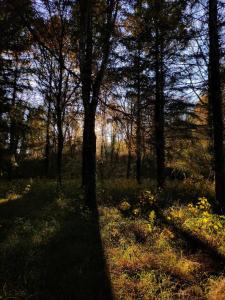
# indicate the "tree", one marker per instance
pixel 15 73
pixel 215 99
pixel 55 59
pixel 96 25
pixel 165 29
pixel 159 116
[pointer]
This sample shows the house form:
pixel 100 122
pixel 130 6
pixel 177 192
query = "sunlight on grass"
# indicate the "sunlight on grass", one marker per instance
pixel 200 220
pixel 10 197
pixel 145 259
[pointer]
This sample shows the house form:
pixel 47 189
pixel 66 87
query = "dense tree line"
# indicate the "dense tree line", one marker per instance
pixel 136 75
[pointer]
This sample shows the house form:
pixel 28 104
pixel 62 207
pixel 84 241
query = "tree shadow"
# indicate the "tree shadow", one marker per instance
pixel 194 243
pixel 69 264
pixel 75 264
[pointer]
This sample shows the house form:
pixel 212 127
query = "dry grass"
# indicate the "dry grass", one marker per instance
pixel 217 289
pixel 146 260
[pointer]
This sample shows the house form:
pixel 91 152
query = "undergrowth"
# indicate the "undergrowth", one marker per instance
pixel 51 247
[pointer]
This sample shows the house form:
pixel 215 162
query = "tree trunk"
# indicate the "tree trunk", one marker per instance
pixel 59 149
pixel 12 129
pixel 47 142
pixel 91 88
pixel 215 96
pixel 60 138
pixel 128 162
pixel 103 129
pixel 138 104
pixel 138 129
pixel 159 104
pixel 113 143
pixel 89 157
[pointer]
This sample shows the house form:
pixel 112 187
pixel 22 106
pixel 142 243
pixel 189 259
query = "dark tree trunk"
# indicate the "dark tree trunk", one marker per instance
pixel 59 149
pixel 12 128
pixel 103 126
pixel 47 142
pixel 159 103
pixel 215 96
pixel 60 138
pixel 91 84
pixel 138 104
pixel 12 145
pixel 90 104
pixel 89 157
pixel 128 163
pixel 129 143
pixel 113 143
pixel 138 128
pixel 159 130
pixel 85 56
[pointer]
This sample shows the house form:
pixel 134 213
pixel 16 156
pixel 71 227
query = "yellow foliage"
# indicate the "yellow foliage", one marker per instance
pixel 124 205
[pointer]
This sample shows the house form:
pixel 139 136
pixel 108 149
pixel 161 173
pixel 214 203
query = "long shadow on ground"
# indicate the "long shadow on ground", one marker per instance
pixel 75 264
pixel 52 252
pixel 194 243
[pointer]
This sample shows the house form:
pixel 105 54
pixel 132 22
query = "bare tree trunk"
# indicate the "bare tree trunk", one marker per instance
pixel 138 126
pixel 59 149
pixel 60 139
pixel 113 143
pixel 129 142
pixel 12 128
pixel 47 141
pixel 103 125
pixel 129 162
pixel 159 104
pixel 89 158
pixel 91 88
pixel 215 96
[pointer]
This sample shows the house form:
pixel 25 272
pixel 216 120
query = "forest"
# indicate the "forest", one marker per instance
pixel 112 169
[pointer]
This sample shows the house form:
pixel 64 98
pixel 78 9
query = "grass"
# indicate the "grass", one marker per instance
pixel 51 247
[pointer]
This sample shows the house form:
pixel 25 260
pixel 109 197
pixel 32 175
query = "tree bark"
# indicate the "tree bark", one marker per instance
pixel 113 143
pixel 59 121
pixel 159 102
pixel 215 96
pixel 91 83
pixel 47 141
pixel 59 149
pixel 12 128
pixel 138 126
pixel 128 163
pixel 89 158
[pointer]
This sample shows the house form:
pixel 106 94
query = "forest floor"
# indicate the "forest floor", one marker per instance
pixel 142 245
